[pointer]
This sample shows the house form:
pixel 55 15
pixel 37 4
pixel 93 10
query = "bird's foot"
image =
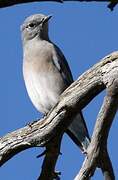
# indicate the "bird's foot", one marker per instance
pixel 32 122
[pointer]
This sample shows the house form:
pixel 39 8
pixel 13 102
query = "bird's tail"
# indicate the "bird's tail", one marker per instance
pixel 79 133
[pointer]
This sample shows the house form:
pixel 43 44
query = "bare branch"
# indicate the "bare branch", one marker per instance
pixel 112 4
pixel 49 163
pixel 76 97
pixel 97 155
pixel 6 3
pixel 106 166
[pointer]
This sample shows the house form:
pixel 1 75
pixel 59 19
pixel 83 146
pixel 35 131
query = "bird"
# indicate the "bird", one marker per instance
pixel 47 74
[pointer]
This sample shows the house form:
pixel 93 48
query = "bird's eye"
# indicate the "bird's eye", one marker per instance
pixel 31 25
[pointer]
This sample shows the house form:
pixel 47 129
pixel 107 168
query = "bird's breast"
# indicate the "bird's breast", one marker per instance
pixel 43 82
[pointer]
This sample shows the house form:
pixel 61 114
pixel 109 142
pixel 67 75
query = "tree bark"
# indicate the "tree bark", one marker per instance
pixel 50 129
pixel 97 155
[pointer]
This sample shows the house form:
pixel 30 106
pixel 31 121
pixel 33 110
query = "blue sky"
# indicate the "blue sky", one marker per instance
pixel 85 32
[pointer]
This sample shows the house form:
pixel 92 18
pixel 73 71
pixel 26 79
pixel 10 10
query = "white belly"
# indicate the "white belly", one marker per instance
pixel 43 89
pixel 39 91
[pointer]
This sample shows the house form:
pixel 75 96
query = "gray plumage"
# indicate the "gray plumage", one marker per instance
pixel 47 74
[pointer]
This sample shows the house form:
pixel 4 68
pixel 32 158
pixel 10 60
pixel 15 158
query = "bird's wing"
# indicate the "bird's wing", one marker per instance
pixel 62 65
pixel 78 129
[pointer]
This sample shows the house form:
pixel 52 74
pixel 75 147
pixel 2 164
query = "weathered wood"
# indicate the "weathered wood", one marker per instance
pixel 45 132
pixel 97 154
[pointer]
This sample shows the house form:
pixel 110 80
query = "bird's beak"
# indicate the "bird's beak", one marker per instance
pixel 47 19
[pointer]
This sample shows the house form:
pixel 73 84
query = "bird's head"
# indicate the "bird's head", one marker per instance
pixel 35 26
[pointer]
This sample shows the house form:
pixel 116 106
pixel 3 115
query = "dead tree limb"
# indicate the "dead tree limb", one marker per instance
pixel 7 3
pixel 74 99
pixel 51 156
pixel 97 154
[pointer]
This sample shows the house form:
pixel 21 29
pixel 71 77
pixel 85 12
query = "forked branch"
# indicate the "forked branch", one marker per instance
pixel 97 155
pixel 74 99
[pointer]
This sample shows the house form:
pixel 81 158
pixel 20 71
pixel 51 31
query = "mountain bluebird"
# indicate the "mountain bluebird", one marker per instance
pixel 47 73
